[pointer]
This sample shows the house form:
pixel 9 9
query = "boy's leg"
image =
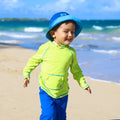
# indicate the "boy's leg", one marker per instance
pixel 47 106
pixel 61 105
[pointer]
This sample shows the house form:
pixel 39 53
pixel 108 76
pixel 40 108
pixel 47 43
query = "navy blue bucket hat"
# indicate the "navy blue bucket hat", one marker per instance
pixel 61 17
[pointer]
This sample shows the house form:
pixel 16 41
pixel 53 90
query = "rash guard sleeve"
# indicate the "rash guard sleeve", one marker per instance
pixel 77 72
pixel 33 62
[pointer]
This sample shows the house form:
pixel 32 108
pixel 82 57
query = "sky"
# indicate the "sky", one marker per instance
pixel 84 9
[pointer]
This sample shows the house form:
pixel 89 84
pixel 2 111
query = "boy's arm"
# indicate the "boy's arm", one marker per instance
pixel 77 73
pixel 33 63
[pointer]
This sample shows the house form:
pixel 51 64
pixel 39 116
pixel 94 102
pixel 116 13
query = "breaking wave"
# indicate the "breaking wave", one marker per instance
pixel 33 29
pixel 106 51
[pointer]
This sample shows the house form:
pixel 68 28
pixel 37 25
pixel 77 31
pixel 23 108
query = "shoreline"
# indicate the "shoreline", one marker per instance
pixel 29 48
pixel 101 80
pixel 96 79
pixel 23 103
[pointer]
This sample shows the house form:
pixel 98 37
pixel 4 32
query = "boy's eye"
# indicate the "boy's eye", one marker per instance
pixel 66 31
pixel 73 32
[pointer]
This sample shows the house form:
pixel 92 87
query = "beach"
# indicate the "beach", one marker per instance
pixel 18 103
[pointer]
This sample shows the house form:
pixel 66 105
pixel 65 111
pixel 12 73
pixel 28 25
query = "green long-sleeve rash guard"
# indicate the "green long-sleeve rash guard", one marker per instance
pixel 56 61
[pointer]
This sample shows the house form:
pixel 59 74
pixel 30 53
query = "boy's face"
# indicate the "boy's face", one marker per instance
pixel 65 34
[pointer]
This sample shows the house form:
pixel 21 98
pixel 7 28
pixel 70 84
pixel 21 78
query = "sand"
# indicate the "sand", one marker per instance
pixel 18 103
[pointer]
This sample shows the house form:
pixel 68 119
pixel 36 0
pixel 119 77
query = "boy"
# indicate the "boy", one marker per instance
pixel 57 57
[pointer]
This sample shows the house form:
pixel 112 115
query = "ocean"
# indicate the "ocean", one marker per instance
pixel 97 46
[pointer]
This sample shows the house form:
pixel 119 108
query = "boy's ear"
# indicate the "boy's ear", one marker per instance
pixel 52 33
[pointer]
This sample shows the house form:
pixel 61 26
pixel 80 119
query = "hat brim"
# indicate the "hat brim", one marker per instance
pixel 78 26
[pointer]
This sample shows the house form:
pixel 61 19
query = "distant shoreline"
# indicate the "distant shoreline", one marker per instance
pixel 45 19
pixel 23 19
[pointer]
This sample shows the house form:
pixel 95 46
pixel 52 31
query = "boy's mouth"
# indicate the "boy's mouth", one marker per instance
pixel 69 40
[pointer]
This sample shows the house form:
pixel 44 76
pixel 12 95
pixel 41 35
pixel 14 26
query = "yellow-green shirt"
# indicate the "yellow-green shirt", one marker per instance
pixel 56 61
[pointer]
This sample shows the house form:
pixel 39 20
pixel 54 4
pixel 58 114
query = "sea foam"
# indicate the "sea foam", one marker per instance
pixel 10 41
pixel 116 38
pixel 33 29
pixel 97 27
pixel 112 27
pixel 17 35
pixel 106 51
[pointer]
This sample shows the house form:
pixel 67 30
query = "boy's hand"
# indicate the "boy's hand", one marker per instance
pixel 88 89
pixel 26 82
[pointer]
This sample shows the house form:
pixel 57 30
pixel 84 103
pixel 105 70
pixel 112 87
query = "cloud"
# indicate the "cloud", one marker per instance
pixel 60 5
pixel 64 1
pixel 114 6
pixel 81 8
pixel 10 5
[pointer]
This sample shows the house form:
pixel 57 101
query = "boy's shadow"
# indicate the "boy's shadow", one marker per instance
pixel 115 119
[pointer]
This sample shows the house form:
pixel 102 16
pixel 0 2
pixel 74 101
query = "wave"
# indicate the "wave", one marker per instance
pixel 97 27
pixel 85 38
pixel 107 27
pixel 112 27
pixel 116 38
pixel 79 46
pixel 84 34
pixel 106 51
pixel 17 35
pixel 10 41
pixel 34 29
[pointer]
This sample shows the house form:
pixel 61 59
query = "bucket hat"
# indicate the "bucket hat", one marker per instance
pixel 61 17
